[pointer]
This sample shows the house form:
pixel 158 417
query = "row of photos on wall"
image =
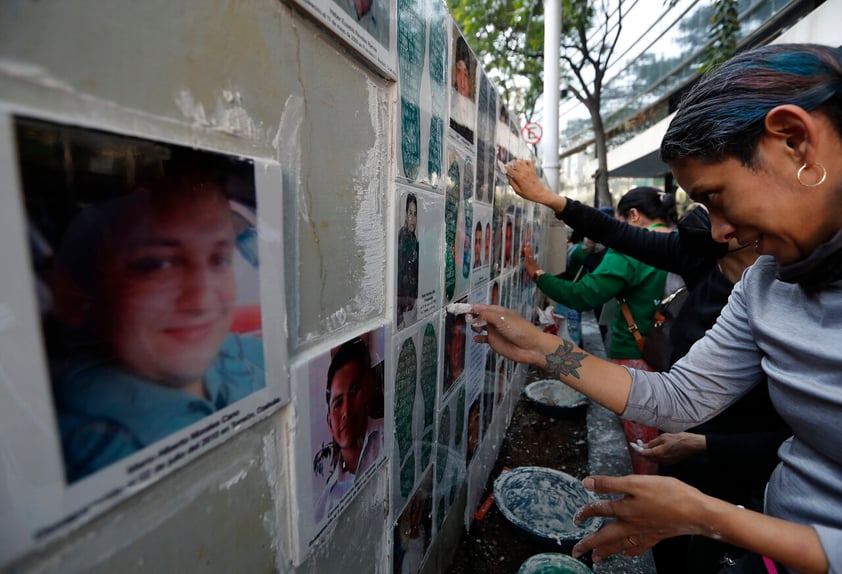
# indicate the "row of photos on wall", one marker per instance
pixel 460 233
pixel 160 304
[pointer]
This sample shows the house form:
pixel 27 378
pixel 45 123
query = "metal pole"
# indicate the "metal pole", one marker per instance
pixel 552 96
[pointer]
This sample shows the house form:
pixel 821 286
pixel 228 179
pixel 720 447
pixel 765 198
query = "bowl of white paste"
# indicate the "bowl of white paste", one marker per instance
pixel 553 563
pixel 541 503
pixel 554 398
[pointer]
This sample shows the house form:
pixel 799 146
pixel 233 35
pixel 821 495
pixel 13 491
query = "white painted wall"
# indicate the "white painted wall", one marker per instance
pixel 259 79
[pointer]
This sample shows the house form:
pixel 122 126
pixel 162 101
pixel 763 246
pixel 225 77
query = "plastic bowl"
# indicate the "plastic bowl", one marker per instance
pixel 553 563
pixel 554 398
pixel 541 503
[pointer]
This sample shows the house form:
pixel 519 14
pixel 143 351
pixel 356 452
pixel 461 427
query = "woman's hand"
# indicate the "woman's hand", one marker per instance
pixel 653 508
pixel 529 262
pixel 511 335
pixel 524 180
pixel 670 448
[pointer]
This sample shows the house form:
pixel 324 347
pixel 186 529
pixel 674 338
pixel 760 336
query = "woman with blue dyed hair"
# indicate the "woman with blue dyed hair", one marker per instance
pixel 758 141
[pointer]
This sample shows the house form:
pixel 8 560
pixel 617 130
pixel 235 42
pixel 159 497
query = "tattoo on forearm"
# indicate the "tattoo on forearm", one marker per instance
pixel 564 361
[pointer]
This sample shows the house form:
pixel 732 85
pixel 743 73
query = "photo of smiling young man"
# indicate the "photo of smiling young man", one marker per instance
pixel 143 273
pixel 347 428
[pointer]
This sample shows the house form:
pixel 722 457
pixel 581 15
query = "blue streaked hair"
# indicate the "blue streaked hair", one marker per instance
pixel 723 115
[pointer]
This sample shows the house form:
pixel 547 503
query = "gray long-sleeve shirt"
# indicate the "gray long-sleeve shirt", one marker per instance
pixel 795 338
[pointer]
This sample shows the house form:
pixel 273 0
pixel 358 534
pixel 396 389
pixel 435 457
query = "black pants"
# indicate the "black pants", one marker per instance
pixel 693 555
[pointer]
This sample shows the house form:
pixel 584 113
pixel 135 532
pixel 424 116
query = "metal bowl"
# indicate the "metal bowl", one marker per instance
pixel 555 399
pixel 553 563
pixel 541 503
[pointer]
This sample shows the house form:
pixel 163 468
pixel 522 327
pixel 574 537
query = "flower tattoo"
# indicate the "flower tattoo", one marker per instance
pixel 564 361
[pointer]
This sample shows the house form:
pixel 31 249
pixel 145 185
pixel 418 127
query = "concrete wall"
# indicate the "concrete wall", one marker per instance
pixel 258 79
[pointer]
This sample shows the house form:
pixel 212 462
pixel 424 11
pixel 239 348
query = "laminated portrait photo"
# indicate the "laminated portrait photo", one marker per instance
pixel 419 255
pixel 146 266
pixel 342 438
pixel 463 92
pixel 367 26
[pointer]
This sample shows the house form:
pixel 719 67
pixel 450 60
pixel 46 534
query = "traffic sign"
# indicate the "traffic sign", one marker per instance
pixel 532 133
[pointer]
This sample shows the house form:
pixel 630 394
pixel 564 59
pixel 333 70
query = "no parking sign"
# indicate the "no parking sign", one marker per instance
pixel 532 133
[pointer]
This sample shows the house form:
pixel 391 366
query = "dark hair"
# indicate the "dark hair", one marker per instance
pixel 101 225
pixel 723 115
pixel 410 198
pixel 651 202
pixel 454 321
pixel 463 52
pixel 350 351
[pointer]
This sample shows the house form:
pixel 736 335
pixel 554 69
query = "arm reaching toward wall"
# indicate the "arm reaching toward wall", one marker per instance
pixel 524 180
pixel 519 340
pixel 687 253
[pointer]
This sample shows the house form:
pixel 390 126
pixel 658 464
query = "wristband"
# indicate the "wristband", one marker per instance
pixel 537 274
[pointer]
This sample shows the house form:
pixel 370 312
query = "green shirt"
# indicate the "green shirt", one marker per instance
pixel 575 260
pixel 620 276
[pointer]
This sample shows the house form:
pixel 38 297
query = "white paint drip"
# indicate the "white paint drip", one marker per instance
pixel 229 116
pixel 11 392
pixel 459 308
pixel 274 519
pixel 267 232
pixel 369 229
pixel 231 119
pixel 34 74
pixel 288 154
pixel 233 480
pixel 289 130
pixel 337 319
pixel 191 109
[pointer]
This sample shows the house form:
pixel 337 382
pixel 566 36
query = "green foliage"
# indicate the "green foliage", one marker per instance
pixel 724 29
pixel 508 38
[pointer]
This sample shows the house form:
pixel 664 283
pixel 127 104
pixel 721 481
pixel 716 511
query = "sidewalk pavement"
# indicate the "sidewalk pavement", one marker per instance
pixel 608 454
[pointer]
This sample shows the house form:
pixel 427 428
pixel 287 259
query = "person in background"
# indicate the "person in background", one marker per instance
pixel 583 256
pixel 583 253
pixel 622 277
pixel 732 455
pixel 758 141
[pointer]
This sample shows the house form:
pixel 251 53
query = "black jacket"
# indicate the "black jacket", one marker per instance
pixel 743 440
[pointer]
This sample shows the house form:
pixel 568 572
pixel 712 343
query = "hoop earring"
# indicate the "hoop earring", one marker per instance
pixel 818 183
